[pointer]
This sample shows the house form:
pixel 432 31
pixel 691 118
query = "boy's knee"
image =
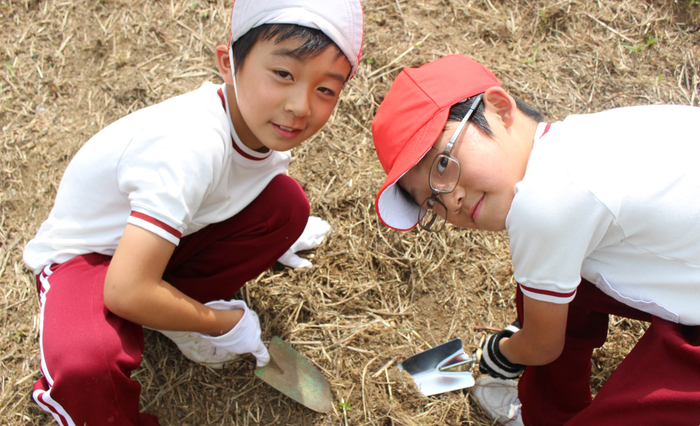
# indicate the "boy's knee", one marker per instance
pixel 290 200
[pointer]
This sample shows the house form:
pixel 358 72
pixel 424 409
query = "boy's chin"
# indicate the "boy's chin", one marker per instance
pixel 283 147
pixel 284 144
pixel 279 145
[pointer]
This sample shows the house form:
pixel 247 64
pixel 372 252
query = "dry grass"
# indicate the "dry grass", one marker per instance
pixel 374 296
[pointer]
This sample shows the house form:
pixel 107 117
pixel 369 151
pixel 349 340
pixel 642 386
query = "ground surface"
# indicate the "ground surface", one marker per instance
pixel 374 296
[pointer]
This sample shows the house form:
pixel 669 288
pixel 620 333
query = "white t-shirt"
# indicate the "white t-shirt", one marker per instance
pixel 172 168
pixel 613 197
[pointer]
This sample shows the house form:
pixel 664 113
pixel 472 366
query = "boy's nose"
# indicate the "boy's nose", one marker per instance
pixel 453 200
pixel 298 104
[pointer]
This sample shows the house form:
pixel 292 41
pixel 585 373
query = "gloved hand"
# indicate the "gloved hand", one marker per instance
pixel 195 347
pixel 245 336
pixel 493 362
pixel 313 235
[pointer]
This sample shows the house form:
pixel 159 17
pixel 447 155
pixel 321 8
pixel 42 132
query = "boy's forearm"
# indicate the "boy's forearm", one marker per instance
pixel 134 289
pixel 163 307
pixel 541 339
pixel 520 351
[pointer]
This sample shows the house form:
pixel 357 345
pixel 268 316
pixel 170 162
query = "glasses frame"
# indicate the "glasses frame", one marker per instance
pixel 447 152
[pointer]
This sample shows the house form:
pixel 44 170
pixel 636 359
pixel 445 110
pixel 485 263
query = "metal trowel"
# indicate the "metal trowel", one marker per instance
pixel 440 369
pixel 290 373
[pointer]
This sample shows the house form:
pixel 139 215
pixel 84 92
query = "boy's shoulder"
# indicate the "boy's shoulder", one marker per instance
pixel 598 158
pixel 194 122
pixel 619 131
pixel 191 112
pixel 206 99
pixel 632 115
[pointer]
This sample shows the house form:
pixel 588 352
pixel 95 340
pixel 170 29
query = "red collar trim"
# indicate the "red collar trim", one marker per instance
pixel 220 92
pixel 245 154
pixel 546 129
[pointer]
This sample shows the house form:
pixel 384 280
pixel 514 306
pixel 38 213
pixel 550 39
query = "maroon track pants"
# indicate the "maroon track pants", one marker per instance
pixel 88 353
pixel 658 383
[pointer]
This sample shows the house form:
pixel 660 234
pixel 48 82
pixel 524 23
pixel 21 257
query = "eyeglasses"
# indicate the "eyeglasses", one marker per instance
pixel 443 179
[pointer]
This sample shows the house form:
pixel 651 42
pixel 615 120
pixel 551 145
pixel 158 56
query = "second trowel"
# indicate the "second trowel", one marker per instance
pixel 438 369
pixel 290 373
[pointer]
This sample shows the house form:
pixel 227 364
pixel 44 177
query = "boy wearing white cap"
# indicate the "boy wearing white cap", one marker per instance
pixel 602 215
pixel 162 216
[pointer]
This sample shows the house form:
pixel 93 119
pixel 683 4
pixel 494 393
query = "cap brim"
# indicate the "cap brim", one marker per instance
pixel 394 210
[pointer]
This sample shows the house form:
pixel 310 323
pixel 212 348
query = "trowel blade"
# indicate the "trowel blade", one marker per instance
pixel 427 368
pixel 290 373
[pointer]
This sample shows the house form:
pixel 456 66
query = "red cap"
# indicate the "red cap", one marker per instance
pixel 410 120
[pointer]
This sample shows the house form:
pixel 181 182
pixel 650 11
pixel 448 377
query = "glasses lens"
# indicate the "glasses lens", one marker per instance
pixel 444 174
pixel 432 213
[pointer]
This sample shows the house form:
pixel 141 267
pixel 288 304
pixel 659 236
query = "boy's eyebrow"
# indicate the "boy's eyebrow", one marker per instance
pixel 415 199
pixel 288 52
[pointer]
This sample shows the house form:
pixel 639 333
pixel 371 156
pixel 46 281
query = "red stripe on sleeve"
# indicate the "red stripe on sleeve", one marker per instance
pixel 547 292
pixel 164 226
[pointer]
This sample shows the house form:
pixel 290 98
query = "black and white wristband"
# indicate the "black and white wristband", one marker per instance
pixel 494 362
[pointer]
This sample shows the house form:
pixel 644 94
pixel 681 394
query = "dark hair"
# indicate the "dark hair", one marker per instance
pixel 314 41
pixel 459 110
pixel 407 195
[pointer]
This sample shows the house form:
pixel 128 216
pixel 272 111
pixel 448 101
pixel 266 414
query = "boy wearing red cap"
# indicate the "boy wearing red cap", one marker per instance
pixel 601 211
pixel 188 200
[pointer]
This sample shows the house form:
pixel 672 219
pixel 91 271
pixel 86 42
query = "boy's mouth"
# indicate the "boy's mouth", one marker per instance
pixel 286 132
pixel 476 208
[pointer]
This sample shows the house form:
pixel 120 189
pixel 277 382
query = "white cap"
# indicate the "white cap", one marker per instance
pixel 340 20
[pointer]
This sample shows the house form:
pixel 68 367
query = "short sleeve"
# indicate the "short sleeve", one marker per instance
pixel 553 225
pixel 167 176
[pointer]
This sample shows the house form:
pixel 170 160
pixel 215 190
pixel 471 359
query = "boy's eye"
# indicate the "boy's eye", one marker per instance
pixel 326 91
pixel 441 164
pixel 283 74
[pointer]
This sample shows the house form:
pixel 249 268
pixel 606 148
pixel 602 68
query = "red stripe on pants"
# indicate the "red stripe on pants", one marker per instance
pixel 90 353
pixel 658 383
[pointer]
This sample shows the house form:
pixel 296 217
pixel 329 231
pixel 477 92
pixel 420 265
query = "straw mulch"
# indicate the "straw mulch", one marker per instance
pixel 374 296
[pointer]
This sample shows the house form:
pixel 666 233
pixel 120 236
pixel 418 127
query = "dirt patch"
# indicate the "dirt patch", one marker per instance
pixel 374 296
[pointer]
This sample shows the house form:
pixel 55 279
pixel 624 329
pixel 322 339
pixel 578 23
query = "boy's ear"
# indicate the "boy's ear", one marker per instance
pixel 502 104
pixel 223 63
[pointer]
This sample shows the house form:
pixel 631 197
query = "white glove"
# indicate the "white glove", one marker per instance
pixel 313 235
pixel 198 349
pixel 245 336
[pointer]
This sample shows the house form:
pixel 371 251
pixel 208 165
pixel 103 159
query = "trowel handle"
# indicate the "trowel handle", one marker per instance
pixel 457 360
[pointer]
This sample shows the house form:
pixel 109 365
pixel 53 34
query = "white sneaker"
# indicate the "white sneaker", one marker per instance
pixel 499 398
pixel 198 349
